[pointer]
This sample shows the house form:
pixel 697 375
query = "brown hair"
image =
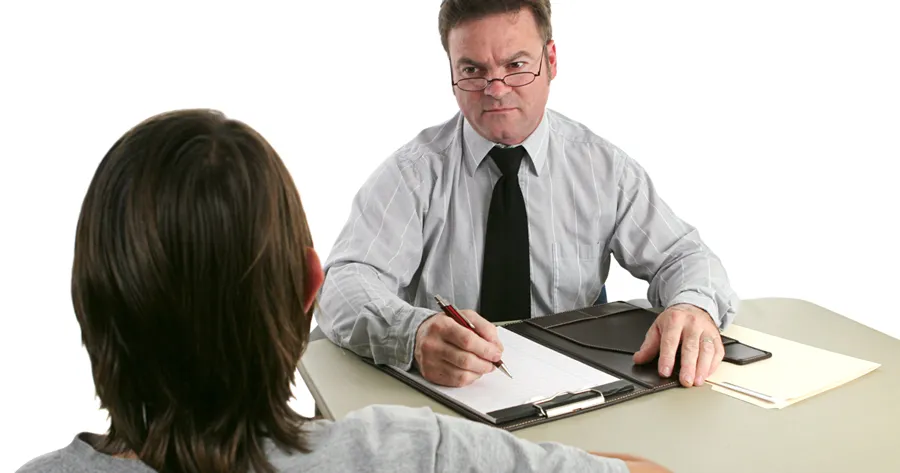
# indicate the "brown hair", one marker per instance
pixel 455 12
pixel 188 284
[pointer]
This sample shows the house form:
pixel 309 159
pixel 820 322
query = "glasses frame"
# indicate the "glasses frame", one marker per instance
pixel 488 82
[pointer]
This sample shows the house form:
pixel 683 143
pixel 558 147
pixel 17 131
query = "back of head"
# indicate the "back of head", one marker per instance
pixel 189 282
pixel 455 12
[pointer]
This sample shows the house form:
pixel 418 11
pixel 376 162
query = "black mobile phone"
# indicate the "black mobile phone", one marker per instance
pixel 741 354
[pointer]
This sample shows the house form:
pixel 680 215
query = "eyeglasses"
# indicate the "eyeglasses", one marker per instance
pixel 516 79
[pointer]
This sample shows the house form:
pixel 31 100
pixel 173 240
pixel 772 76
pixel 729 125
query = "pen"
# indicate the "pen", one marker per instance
pixel 462 320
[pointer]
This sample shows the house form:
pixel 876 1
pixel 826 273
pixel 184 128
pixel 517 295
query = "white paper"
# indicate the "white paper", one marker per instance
pixel 538 372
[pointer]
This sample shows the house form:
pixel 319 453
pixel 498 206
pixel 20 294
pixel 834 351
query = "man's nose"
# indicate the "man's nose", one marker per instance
pixel 497 89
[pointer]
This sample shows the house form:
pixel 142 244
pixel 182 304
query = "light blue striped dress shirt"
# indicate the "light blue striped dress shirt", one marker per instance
pixel 416 229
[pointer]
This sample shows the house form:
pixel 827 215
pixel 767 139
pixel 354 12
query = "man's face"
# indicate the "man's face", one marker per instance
pixel 493 47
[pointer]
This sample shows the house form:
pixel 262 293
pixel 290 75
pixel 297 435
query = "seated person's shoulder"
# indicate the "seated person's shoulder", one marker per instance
pixel 359 426
pixel 74 458
pixel 48 462
pixel 375 438
pixel 395 438
pixel 576 132
pixel 428 145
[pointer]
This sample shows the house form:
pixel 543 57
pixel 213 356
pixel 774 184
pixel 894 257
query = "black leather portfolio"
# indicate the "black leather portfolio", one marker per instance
pixel 604 337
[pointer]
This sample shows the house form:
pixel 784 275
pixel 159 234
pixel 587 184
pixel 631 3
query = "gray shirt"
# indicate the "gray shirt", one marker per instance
pixel 416 229
pixel 377 439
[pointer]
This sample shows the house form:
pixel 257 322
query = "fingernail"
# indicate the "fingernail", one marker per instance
pixel 699 381
pixel 666 371
pixel 495 356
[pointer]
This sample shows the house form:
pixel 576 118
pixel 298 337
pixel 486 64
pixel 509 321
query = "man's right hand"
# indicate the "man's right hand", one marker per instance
pixel 635 464
pixel 452 355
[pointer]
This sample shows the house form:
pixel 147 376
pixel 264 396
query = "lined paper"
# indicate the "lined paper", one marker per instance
pixel 538 372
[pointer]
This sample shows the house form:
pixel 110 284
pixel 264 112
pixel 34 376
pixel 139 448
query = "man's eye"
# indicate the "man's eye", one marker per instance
pixel 469 70
pixel 517 65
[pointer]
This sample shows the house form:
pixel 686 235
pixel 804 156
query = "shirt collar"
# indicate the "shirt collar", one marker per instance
pixel 476 147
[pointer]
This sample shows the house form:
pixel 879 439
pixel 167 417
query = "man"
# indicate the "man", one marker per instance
pixel 511 211
pixel 193 279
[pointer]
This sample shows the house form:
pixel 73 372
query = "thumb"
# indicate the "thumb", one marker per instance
pixel 485 329
pixel 650 347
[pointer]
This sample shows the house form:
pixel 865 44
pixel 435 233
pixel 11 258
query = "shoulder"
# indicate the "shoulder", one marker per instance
pixel 395 438
pixel 564 128
pixel 375 438
pixel 388 421
pixel 53 461
pixel 416 165
pixel 573 132
pixel 429 148
pixel 70 459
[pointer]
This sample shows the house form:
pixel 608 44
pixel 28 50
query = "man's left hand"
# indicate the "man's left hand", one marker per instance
pixel 695 331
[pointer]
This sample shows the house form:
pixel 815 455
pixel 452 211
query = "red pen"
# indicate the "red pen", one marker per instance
pixel 462 320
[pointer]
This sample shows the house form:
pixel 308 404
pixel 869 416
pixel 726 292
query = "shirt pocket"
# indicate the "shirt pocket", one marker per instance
pixel 576 275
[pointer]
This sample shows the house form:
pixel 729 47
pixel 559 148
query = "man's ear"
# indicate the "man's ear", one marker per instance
pixel 551 58
pixel 314 278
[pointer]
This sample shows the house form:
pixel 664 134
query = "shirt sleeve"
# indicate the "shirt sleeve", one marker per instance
pixel 416 439
pixel 654 244
pixel 362 303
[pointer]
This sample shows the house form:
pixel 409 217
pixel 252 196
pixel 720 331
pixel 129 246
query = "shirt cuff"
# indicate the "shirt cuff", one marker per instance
pixel 701 301
pixel 407 332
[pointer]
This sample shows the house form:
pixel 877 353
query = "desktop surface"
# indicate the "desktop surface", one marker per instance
pixel 851 428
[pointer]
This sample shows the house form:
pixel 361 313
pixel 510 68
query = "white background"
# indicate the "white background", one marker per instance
pixel 772 126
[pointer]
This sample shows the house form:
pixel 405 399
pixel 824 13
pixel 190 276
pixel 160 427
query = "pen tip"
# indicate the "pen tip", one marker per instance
pixel 503 368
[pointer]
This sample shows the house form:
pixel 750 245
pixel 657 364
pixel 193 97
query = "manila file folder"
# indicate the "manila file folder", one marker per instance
pixel 795 373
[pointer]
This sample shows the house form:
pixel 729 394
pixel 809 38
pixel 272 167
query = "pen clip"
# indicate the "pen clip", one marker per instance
pixel 441 301
pixel 578 405
pixel 444 305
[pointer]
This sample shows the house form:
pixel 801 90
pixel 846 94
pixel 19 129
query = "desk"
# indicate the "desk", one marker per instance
pixel 855 427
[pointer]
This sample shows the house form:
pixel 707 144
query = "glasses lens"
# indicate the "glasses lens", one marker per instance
pixel 473 84
pixel 519 79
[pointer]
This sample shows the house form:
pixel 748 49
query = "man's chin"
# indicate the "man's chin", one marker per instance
pixel 501 132
pixel 507 137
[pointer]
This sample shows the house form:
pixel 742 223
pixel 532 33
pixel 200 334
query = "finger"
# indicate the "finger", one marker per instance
pixel 443 373
pixel 465 360
pixel 471 342
pixel 668 345
pixel 620 456
pixel 650 347
pixel 690 351
pixel 485 328
pixel 717 358
pixel 705 359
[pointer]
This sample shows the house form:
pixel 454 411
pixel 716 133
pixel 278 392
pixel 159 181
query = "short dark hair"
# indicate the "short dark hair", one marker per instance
pixel 455 12
pixel 188 285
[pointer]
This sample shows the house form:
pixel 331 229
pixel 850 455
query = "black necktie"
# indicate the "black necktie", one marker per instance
pixel 505 275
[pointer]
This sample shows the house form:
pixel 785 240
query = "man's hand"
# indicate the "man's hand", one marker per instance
pixel 701 344
pixel 635 464
pixel 452 355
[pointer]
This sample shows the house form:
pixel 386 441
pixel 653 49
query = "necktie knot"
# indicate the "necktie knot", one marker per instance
pixel 508 159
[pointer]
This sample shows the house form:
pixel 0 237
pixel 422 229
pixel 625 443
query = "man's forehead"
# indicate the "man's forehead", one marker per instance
pixel 500 35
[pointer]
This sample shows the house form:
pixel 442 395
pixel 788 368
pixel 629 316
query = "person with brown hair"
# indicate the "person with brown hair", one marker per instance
pixel 512 211
pixel 193 282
